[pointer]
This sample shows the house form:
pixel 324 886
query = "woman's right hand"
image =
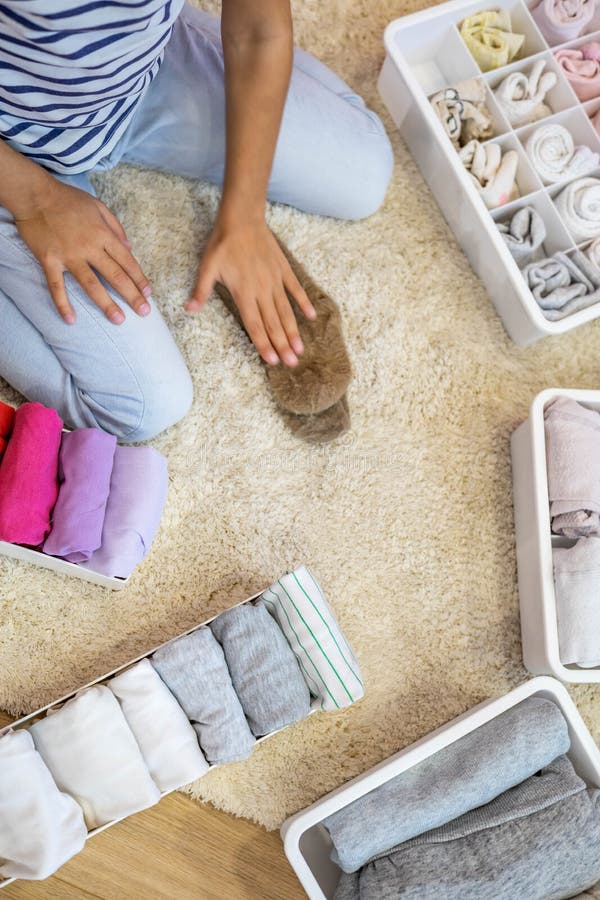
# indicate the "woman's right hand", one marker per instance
pixel 69 230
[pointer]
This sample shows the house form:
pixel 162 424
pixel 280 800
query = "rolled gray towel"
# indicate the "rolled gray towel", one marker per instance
pixel 263 668
pixel 464 775
pixel 524 235
pixel 563 284
pixel 546 854
pixel 194 669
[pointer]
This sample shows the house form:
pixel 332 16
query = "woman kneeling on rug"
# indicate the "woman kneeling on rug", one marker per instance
pixel 158 83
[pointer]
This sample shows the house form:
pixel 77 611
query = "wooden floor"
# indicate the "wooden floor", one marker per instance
pixel 178 850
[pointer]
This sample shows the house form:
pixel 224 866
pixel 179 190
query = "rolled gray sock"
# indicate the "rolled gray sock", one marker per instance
pixel 550 854
pixel 194 669
pixel 263 668
pixel 524 234
pixel 464 775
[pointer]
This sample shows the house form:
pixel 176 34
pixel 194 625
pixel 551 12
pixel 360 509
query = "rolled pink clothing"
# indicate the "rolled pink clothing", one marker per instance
pixel 29 475
pixel 563 20
pixel 581 67
pixel 138 489
pixel 84 468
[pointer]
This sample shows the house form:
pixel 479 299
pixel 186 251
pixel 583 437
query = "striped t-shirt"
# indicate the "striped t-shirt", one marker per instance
pixel 72 74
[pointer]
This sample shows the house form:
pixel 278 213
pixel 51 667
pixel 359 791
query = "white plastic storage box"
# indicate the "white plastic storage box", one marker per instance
pixel 425 53
pixel 307 843
pixel 534 538
pixel 37 558
pixel 28 719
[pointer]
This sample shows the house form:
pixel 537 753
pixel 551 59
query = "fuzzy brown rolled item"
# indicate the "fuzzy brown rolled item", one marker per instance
pixel 323 373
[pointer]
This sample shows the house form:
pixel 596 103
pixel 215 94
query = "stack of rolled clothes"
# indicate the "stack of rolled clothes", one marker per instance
pixel 490 38
pixel 463 112
pixel 77 495
pixel 200 700
pixel 497 815
pixel 573 467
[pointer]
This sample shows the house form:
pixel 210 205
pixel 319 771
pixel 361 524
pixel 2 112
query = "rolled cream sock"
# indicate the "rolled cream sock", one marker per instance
pixel 524 235
pixel 161 728
pixel 93 756
pixel 194 669
pixel 328 663
pixel 263 668
pixel 521 95
pixel 578 205
pixel 463 112
pixel 563 20
pixel 29 475
pixel 577 593
pixel 562 284
pixel 138 489
pixel 555 157
pixel 581 68
pixel 489 37
pixel 572 434
pixel 85 464
pixel 493 173
pixel 40 827
pixel 593 253
pixel 466 774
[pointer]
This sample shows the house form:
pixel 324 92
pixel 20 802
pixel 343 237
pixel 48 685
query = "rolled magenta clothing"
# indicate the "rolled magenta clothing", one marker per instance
pixel 29 475
pixel 84 468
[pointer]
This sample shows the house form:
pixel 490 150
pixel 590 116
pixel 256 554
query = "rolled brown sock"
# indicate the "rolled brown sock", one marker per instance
pixel 324 372
pixel 322 427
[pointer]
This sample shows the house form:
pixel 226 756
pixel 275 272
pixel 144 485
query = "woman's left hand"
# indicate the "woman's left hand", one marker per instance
pixel 247 259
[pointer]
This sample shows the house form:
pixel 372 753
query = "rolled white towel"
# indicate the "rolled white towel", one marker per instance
pixel 579 207
pixel 492 172
pixel 555 157
pixel 521 95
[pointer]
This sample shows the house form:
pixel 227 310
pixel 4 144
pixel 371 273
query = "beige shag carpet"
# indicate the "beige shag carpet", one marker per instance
pixel 407 521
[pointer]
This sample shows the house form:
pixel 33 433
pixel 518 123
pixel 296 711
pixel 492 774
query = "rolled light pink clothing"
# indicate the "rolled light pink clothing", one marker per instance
pixel 563 20
pixel 581 67
pixel 84 468
pixel 138 489
pixel 29 475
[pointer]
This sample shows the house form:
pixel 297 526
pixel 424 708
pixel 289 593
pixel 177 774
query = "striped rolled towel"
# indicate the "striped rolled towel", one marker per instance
pixel 328 664
pixel 555 157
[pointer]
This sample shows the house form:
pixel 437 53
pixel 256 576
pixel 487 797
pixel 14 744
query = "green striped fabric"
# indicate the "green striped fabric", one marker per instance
pixel 328 664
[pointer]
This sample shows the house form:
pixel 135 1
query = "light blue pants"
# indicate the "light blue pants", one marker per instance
pixel 333 158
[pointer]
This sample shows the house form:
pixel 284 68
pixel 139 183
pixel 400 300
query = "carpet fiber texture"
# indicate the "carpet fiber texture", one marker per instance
pixel 407 521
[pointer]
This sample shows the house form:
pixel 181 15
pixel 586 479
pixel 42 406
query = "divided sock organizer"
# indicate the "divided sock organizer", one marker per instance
pixel 426 53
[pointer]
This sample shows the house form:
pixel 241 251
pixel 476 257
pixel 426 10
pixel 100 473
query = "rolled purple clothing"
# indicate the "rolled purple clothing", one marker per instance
pixel 138 489
pixel 84 468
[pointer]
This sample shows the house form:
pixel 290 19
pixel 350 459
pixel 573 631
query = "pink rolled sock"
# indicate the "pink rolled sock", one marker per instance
pixel 581 67
pixel 29 475
pixel 563 20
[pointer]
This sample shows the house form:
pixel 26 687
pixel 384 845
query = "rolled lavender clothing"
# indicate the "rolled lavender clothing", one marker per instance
pixel 563 284
pixel 466 774
pixel 138 489
pixel 194 669
pixel 581 68
pixel 85 464
pixel 524 235
pixel 573 467
pixel 563 20
pixel 263 668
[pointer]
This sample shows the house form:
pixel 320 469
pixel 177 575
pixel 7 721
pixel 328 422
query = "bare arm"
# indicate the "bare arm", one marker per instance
pixel 241 252
pixel 68 230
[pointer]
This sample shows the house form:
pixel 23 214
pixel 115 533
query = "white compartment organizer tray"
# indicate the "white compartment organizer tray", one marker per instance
pixel 425 53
